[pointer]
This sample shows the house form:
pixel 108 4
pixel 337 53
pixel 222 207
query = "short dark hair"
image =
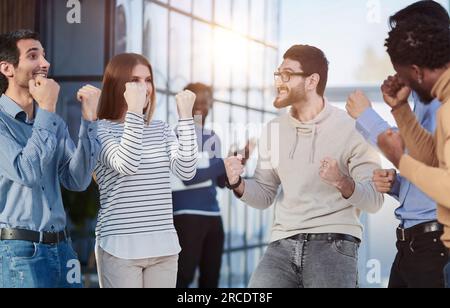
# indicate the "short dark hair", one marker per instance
pixel 421 8
pixel 9 51
pixel 313 61
pixel 199 87
pixel 420 40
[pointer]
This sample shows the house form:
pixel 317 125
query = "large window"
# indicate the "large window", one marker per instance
pixel 233 46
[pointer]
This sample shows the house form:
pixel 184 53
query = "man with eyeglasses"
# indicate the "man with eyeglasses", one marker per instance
pixel 324 169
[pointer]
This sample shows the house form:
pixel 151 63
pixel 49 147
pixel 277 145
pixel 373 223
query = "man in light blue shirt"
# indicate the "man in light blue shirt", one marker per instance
pixel 418 262
pixel 37 156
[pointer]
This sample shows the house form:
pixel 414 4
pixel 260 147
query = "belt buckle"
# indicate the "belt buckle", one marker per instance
pixel 403 235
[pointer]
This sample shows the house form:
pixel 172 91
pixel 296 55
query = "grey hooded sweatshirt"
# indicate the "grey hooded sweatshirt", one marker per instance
pixel 289 158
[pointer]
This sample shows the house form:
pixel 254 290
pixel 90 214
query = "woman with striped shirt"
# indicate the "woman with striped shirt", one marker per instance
pixel 137 244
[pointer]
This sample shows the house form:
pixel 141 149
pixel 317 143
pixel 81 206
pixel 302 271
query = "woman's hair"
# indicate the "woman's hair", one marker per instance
pixel 119 72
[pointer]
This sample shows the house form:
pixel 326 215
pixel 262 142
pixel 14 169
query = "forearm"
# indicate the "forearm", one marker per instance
pixel 184 150
pixel 434 182
pixel 256 194
pixel 124 156
pixel 370 125
pixel 346 186
pixel 215 170
pixel 419 142
pixel 82 161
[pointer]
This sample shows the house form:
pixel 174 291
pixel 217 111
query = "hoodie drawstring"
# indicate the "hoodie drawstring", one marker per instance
pixel 306 130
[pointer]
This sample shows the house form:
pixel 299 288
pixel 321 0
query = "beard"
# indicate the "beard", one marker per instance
pixel 286 100
pixel 424 95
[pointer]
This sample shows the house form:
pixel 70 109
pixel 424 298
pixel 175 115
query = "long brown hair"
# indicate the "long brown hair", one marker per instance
pixel 118 72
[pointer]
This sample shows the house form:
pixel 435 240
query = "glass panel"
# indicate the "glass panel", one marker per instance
pixel 155 42
pixel 180 51
pixel 223 12
pixel 240 17
pixel 203 9
pixel 184 5
pixel 257 19
pixel 202 57
pixel 272 25
pixel 161 108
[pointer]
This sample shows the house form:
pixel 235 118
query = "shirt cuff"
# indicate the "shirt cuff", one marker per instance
pixel 47 120
pixel 370 123
pixel 88 129
pixel 186 122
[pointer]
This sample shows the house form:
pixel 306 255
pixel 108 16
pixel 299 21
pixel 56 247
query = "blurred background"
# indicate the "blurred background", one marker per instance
pixel 235 46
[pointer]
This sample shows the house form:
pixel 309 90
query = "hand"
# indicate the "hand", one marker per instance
pixel 234 168
pixel 45 92
pixel 392 145
pixel 330 174
pixel 357 103
pixel 384 180
pixel 395 93
pixel 185 104
pixel 246 152
pixel 136 97
pixel 89 97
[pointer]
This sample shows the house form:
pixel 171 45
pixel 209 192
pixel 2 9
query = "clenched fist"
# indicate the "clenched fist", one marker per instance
pixel 384 180
pixel 45 92
pixel 392 145
pixel 329 171
pixel 89 97
pixel 357 103
pixel 185 104
pixel 136 97
pixel 332 175
pixel 395 93
pixel 234 168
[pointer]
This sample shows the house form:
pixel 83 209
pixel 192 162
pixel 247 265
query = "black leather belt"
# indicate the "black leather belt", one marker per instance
pixel 407 235
pixel 326 237
pixel 33 236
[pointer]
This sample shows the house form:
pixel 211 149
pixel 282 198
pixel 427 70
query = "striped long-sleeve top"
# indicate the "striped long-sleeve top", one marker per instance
pixel 135 220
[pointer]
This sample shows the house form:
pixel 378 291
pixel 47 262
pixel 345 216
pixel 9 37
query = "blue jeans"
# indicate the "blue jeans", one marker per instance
pixel 34 265
pixel 447 275
pixel 292 263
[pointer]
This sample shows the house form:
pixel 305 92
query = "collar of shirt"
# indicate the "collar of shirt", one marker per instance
pixel 15 111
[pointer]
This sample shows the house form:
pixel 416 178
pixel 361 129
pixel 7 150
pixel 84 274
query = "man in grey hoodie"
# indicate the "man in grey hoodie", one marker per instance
pixel 324 169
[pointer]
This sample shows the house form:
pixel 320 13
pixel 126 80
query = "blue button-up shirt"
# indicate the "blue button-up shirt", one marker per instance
pixel 415 207
pixel 36 157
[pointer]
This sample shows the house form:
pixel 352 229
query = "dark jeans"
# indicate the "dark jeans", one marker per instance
pixel 420 263
pixel 292 263
pixel 201 239
pixel 447 274
pixel 33 265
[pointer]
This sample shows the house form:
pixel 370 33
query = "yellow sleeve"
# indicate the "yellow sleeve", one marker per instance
pixel 435 182
pixel 419 142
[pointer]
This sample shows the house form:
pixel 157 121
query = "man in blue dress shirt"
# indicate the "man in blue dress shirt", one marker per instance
pixel 419 262
pixel 37 155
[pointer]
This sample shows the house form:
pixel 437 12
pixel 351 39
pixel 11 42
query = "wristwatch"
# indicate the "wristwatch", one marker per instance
pixel 233 187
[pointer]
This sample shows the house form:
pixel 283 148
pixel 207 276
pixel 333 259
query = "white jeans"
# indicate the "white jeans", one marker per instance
pixel 145 273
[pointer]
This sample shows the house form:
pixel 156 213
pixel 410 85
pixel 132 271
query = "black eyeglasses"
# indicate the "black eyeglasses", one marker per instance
pixel 286 76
